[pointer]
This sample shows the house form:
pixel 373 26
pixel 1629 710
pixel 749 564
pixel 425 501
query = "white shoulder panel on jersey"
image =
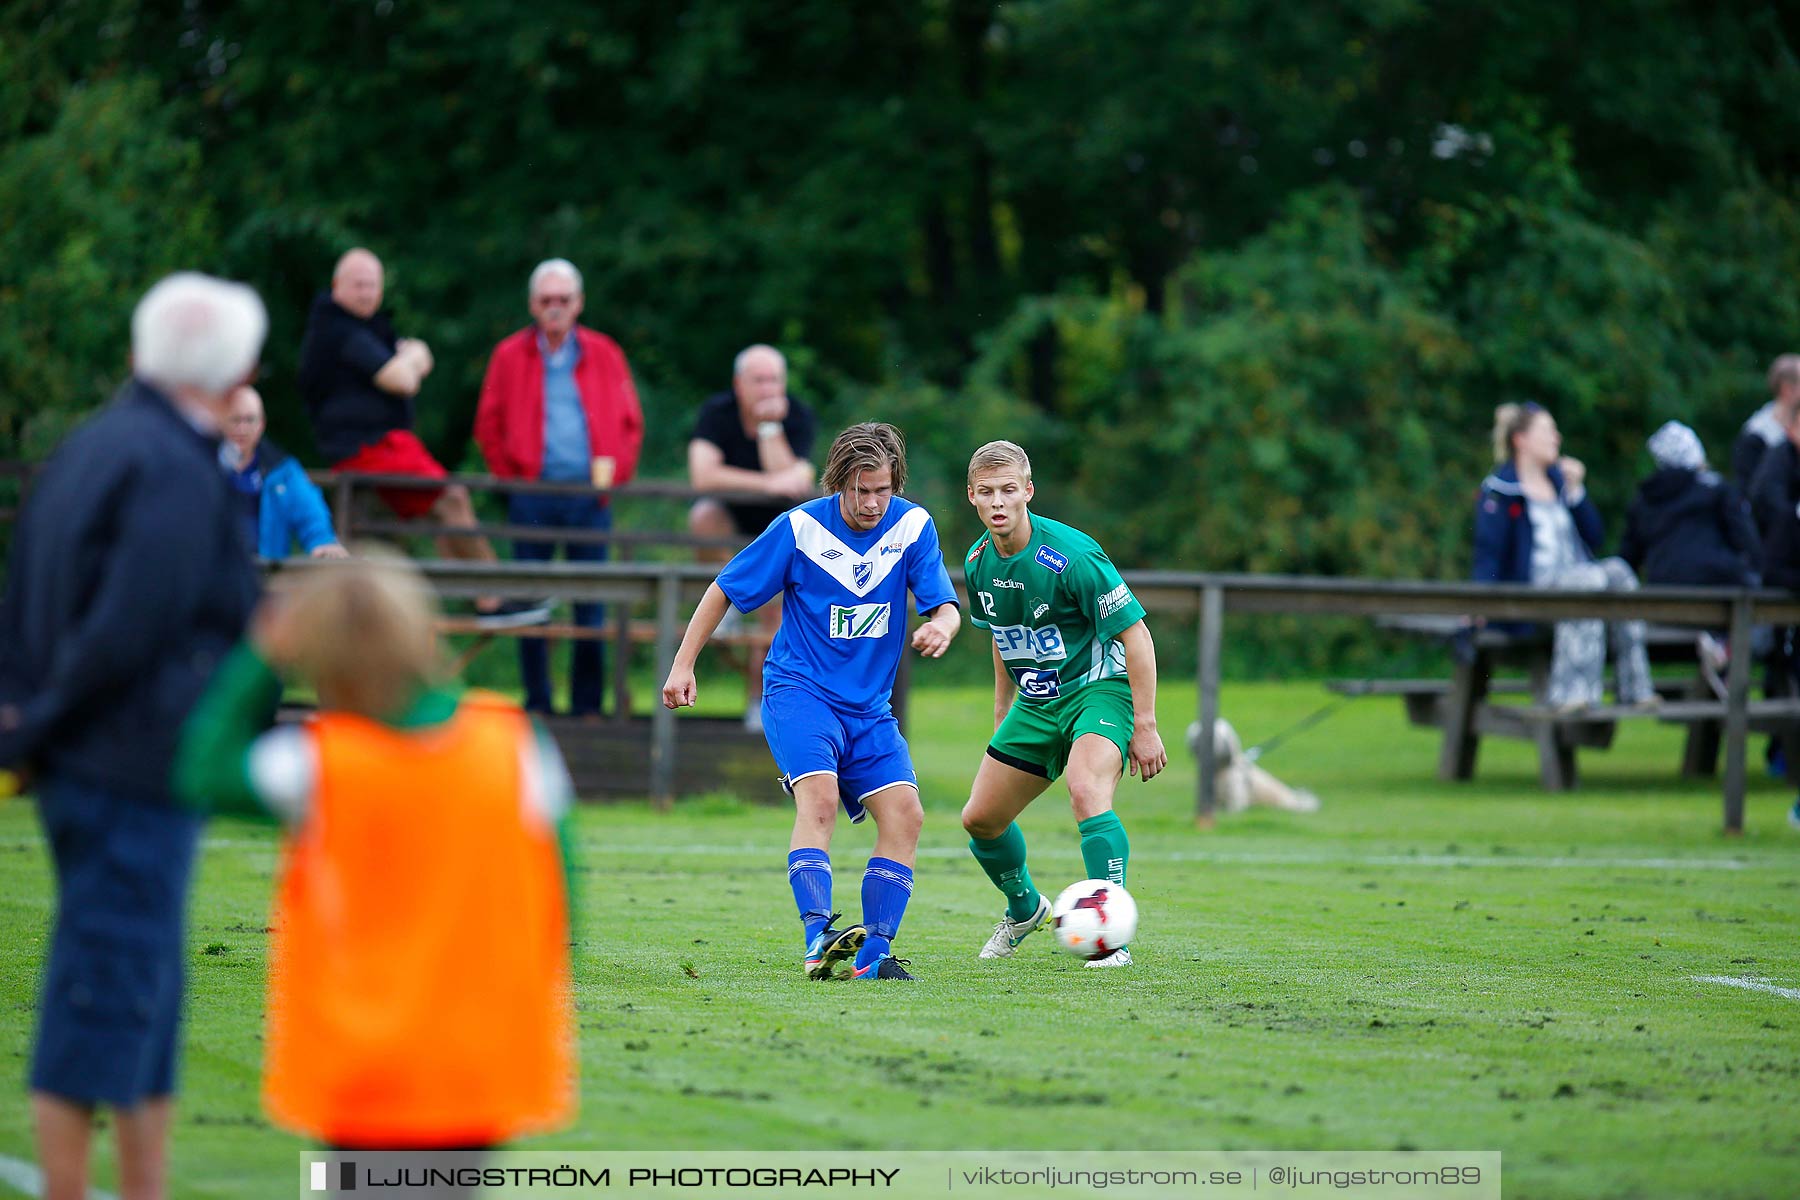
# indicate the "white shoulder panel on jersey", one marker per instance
pixel 858 573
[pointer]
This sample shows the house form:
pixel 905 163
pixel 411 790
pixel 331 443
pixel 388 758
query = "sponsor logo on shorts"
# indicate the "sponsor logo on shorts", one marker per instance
pixel 1114 600
pixel 1052 559
pixel 1043 644
pixel 859 620
pixel 1037 685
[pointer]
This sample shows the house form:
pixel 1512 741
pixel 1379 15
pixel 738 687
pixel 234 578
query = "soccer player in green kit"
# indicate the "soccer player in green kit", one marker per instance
pixel 1074 689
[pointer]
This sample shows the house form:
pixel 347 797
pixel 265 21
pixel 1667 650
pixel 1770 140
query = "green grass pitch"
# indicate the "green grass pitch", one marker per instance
pixel 1419 965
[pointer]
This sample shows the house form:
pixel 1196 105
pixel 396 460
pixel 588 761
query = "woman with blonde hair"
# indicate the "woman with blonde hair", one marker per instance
pixel 1535 523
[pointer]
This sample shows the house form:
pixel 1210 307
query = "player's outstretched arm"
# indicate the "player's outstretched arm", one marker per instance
pixel 933 637
pixel 680 690
pixel 1147 755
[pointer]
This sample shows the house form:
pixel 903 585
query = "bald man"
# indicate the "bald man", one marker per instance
pixel 359 380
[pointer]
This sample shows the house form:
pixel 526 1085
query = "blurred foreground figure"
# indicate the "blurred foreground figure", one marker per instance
pixel 419 982
pixel 129 580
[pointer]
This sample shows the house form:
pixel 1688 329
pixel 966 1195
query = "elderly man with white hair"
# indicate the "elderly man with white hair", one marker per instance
pixel 128 581
pixel 558 405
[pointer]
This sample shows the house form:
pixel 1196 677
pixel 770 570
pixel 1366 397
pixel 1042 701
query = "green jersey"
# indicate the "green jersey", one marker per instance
pixel 1056 609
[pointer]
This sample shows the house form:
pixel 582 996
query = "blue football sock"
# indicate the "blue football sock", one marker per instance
pixel 809 874
pixel 887 886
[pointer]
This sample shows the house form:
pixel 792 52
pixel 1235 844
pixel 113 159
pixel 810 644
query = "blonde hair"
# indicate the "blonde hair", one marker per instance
pixel 1510 420
pixel 1785 369
pixel 998 455
pixel 364 632
pixel 869 446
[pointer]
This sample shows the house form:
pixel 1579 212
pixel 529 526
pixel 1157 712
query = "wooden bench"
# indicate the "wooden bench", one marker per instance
pixel 1459 706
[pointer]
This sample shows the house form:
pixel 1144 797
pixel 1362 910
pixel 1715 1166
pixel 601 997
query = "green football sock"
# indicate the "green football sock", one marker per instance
pixel 1003 858
pixel 1105 850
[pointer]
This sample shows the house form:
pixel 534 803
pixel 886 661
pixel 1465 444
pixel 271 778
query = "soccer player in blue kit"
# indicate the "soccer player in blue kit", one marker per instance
pixel 842 564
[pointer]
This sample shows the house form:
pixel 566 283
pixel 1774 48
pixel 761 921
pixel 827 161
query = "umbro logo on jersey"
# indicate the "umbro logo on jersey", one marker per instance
pixel 831 554
pixel 1051 559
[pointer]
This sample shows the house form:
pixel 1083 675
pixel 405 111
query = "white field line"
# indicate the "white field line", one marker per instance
pixel 598 848
pixel 27 1180
pixel 1751 983
pixel 1249 858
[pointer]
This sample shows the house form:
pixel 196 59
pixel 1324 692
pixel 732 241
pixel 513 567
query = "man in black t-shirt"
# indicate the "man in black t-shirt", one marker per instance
pixel 754 438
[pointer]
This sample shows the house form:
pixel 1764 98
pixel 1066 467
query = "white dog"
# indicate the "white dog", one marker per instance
pixel 1241 782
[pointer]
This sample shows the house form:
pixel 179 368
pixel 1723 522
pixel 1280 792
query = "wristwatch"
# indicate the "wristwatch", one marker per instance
pixel 768 429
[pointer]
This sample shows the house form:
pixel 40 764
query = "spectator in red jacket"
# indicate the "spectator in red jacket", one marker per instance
pixel 558 405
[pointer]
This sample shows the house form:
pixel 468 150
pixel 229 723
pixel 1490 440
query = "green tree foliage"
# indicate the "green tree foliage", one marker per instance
pixel 1248 278
pixel 93 210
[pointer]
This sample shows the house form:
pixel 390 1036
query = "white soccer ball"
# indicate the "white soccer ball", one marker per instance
pixel 1093 918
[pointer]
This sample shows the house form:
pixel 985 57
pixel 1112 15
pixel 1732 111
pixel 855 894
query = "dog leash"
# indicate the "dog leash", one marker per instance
pixel 1253 753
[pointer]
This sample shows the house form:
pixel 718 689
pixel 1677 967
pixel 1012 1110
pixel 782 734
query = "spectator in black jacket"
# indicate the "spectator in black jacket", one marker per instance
pixel 1778 493
pixel 1687 525
pixel 129 580
pixel 1767 426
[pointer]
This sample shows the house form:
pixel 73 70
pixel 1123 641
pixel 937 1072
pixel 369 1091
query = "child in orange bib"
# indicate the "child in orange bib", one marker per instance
pixel 419 989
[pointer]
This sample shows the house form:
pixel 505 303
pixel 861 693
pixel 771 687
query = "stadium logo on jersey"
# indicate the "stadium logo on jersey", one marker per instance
pixel 859 620
pixel 1051 559
pixel 1009 583
pixel 1114 600
pixel 1037 685
pixel 862 572
pixel 1044 644
pixel 829 555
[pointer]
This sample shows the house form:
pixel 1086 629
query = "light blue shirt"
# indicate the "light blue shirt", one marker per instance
pixel 566 454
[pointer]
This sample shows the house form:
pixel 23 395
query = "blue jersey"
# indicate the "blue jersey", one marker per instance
pixel 843 616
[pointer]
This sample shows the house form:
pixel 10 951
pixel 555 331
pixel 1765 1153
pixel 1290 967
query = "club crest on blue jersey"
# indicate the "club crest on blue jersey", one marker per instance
pixel 1051 559
pixel 862 572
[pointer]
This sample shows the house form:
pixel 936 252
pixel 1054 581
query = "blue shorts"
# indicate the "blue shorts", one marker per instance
pixel 109 1015
pixel 809 737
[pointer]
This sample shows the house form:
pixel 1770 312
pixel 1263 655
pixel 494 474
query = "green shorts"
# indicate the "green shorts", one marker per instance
pixel 1036 738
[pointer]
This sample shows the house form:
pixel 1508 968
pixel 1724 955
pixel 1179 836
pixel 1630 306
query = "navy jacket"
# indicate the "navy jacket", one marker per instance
pixel 129 580
pixel 339 357
pixel 1776 505
pixel 1691 527
pixel 1503 526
